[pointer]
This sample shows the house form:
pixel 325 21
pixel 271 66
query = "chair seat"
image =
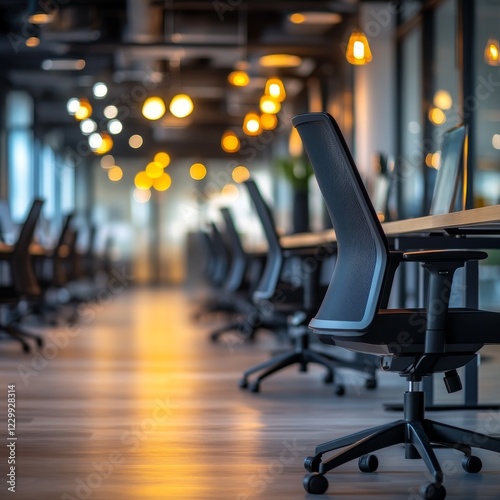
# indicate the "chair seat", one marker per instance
pixel 410 325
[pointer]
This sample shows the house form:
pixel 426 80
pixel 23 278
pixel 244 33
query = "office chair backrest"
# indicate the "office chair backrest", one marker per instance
pixel 238 266
pixel 450 171
pixel 61 252
pixel 353 297
pixel 221 261
pixel 274 261
pixel 23 276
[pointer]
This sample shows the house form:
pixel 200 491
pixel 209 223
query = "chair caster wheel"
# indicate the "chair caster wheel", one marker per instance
pixel 255 387
pixel 26 348
pixel 315 483
pixel 311 464
pixel 329 378
pixel 368 463
pixel 243 383
pixel 371 383
pixel 214 338
pixel 433 491
pixel 472 464
pixel 340 391
pixel 39 342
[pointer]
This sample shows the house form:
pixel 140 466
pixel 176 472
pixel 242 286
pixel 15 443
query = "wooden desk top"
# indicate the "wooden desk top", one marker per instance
pixel 35 249
pixel 476 217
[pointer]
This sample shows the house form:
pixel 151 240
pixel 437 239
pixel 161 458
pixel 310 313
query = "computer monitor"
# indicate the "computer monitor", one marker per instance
pixel 450 171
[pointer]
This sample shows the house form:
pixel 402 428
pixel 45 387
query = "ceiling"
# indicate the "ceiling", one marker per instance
pixel 144 47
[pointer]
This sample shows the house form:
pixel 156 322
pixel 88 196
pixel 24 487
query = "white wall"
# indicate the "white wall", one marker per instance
pixel 374 87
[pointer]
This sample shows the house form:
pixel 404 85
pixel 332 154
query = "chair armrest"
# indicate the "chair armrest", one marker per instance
pixel 453 255
pixel 441 264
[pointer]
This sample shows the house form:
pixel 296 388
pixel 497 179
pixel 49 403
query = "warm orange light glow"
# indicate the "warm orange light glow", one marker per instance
pixel 295 147
pixel 115 173
pixel 181 106
pixel 230 191
pixel 443 100
pixel 135 141
pixel 198 171
pixel 297 18
pixel 238 78
pixel 240 174
pixel 40 18
pixel 154 170
pixel 32 41
pixel 432 160
pixel 435 161
pixel 142 180
pixel 317 18
pixel 84 109
pixel 280 61
pixel 230 142
pixel 153 108
pixel 492 52
pixel 106 144
pixel 268 122
pixel 275 89
pixel 436 116
pixel 107 161
pixel 269 105
pixel 163 182
pixel 251 124
pixel 358 50
pixel 162 158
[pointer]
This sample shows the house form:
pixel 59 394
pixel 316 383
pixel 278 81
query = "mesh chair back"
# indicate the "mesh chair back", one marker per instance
pixel 353 296
pixel 23 275
pixel 61 251
pixel 221 261
pixel 236 273
pixel 274 262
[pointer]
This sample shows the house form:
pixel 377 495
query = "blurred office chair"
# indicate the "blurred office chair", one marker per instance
pixel 290 304
pixel 217 264
pixel 414 343
pixel 23 283
pixel 53 272
pixel 243 273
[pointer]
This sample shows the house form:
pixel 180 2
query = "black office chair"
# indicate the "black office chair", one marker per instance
pixel 412 342
pixel 292 306
pixel 53 271
pixel 243 272
pixel 23 284
pixel 215 268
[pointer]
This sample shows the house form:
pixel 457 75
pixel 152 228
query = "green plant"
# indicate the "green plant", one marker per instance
pixel 296 171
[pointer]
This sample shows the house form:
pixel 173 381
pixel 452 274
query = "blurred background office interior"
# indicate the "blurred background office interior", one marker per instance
pixel 61 79
pixel 137 121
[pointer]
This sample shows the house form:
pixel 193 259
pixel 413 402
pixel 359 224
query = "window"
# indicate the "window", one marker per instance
pixel 20 153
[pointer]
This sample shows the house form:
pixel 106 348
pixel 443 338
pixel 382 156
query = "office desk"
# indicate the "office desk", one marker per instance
pixel 477 228
pixel 483 220
pixel 35 250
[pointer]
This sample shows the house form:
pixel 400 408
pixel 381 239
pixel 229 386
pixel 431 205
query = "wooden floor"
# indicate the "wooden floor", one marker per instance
pixel 136 403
